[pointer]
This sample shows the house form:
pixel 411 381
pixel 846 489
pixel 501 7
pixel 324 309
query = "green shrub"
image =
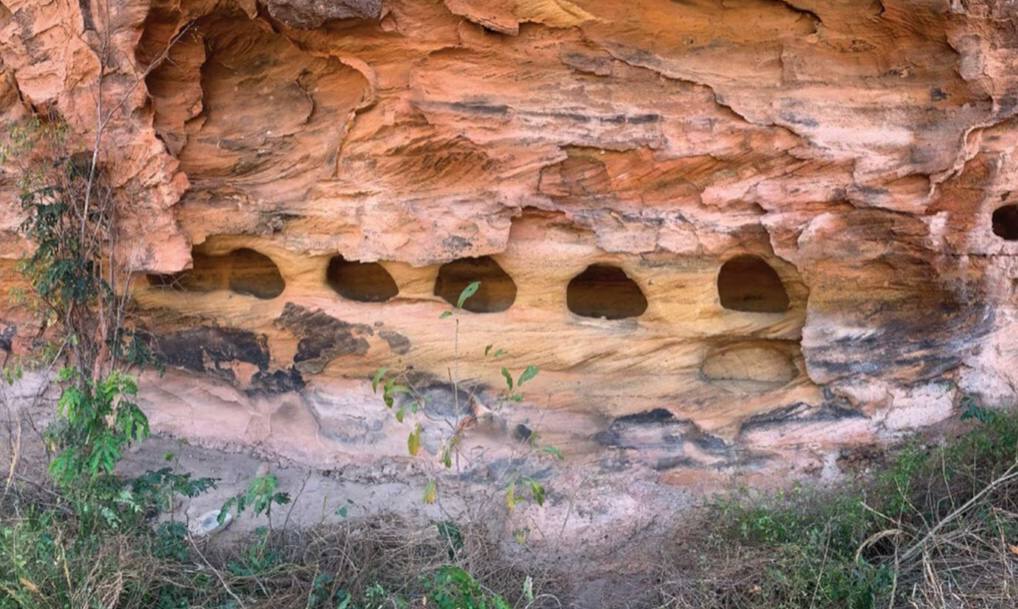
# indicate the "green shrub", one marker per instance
pixel 453 588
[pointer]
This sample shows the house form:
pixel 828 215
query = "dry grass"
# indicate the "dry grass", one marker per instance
pixel 938 528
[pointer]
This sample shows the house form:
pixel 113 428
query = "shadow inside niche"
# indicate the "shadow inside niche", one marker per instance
pixel 360 281
pixel 496 293
pixel 748 283
pixel 605 291
pixel 1005 222
pixel 243 271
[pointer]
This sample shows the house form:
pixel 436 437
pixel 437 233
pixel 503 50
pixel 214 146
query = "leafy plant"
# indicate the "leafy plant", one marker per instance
pixel 400 395
pixel 99 421
pixel 157 489
pixel 257 558
pixel 533 489
pixel 96 421
pixel 453 588
pixel 451 534
pixel 260 496
pixel 70 217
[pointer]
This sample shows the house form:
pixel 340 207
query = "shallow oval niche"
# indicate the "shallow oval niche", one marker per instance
pixel 243 271
pixel 752 368
pixel 605 291
pixel 1005 222
pixel 748 283
pixel 360 281
pixel 496 293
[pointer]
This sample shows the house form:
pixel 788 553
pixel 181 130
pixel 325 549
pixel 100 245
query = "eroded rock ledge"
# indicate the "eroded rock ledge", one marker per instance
pixel 735 236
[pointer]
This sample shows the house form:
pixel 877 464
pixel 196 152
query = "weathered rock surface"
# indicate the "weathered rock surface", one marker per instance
pixel 736 236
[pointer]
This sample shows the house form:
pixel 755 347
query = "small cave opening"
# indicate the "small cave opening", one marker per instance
pixel 496 293
pixel 1005 222
pixel 244 271
pixel 605 291
pixel 360 281
pixel 748 283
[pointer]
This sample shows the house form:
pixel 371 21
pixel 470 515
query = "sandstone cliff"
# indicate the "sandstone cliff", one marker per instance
pixel 735 235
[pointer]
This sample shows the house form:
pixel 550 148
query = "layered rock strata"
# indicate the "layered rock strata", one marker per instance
pixel 735 236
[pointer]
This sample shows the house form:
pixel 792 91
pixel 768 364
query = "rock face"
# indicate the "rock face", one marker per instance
pixel 735 236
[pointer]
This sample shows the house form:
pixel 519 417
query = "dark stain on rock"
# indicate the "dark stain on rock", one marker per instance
pixel 590 63
pixel 399 343
pixel 476 107
pixel 802 121
pixel 707 442
pixel 643 119
pixel 275 222
pixel 915 340
pixel 456 244
pixel 671 462
pixel 7 338
pixel 1007 103
pixel 279 381
pixel 612 119
pixel 210 350
pixel 778 416
pixel 522 433
pixel 445 401
pixel 86 15
pixel 321 337
pixel 310 14
pixel 658 440
pixel 608 437
pixel 799 412
pixel 657 415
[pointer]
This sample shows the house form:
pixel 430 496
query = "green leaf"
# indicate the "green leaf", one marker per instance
pixel 390 390
pixel 400 414
pixel 467 292
pixel 500 353
pixel 225 510
pixel 537 491
pixel 977 412
pixel 553 451
pixel 377 379
pixel 430 492
pixel 529 373
pixel 445 314
pixel 487 350
pixel 508 378
pixel 450 446
pixel 342 511
pixel 510 497
pixel 413 441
